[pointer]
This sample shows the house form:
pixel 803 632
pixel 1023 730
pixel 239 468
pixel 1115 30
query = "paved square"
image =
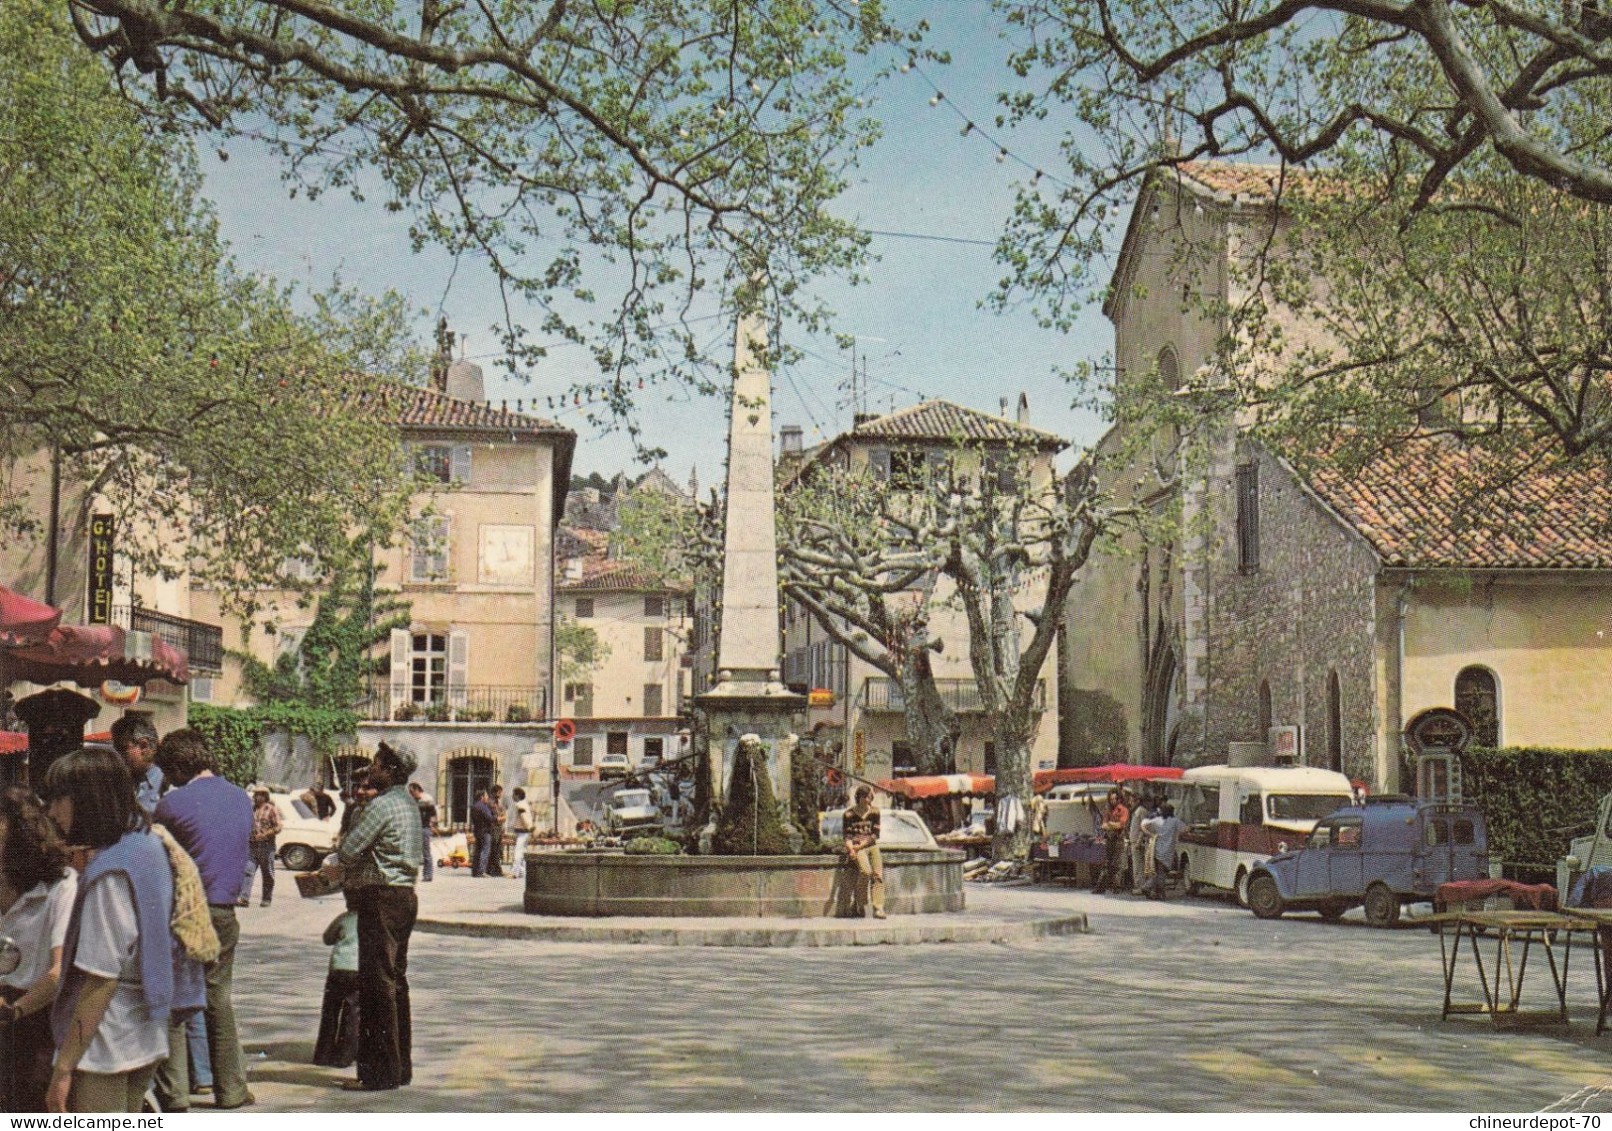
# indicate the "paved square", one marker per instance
pixel 1189 1006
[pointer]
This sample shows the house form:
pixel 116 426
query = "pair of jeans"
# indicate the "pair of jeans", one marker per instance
pixel 386 1032
pixel 427 868
pixel 223 1043
pixel 489 848
pixel 201 1065
pixel 260 860
pixel 519 869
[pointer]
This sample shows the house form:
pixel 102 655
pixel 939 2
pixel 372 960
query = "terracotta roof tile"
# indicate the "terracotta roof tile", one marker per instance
pixel 1419 507
pixel 619 576
pixel 415 407
pixel 944 421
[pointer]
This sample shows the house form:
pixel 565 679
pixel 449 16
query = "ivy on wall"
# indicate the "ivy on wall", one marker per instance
pixel 235 735
pixel 1535 799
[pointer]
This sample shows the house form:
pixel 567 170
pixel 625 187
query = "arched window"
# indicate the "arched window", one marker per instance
pixel 1477 696
pixel 467 775
pixel 1169 369
pixel 1264 710
pixel 1334 723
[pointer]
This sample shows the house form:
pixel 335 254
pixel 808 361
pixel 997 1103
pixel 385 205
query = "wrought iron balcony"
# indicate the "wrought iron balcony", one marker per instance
pixel 478 703
pixel 880 693
pixel 203 644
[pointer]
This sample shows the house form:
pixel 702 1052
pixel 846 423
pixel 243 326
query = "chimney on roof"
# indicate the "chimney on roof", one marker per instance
pixel 464 381
pixel 1024 409
pixel 790 441
pixel 1002 407
pixel 862 418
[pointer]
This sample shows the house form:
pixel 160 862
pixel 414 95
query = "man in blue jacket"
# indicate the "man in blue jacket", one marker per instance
pixel 212 820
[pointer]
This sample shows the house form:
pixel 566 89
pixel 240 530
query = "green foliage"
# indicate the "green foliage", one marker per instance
pixel 751 822
pixel 580 650
pixel 653 846
pixel 332 665
pixel 235 735
pixel 668 538
pixel 645 156
pixel 194 398
pixel 1535 799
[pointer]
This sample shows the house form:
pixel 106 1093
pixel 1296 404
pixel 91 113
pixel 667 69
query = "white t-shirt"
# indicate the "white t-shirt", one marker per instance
pixel 109 945
pixel 523 816
pixel 37 923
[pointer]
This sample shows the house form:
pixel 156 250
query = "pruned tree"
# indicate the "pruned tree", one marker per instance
pixel 1015 546
pixel 651 152
pixel 205 407
pixel 863 562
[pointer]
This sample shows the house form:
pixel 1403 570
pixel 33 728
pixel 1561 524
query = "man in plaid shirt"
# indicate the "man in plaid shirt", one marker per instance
pixel 381 855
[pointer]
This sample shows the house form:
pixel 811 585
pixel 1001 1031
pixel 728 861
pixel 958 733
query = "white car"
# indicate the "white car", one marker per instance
pixel 633 812
pixel 898 828
pixel 614 766
pixel 304 839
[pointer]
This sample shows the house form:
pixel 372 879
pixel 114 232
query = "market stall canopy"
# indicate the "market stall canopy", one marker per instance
pixel 12 742
pixel 1115 772
pixel 91 654
pixel 23 620
pixel 946 785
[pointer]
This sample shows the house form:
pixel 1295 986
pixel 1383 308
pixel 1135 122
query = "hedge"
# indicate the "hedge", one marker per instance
pixel 1535 799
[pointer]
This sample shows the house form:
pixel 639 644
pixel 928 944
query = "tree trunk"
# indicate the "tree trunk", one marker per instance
pixel 931 724
pixel 1014 778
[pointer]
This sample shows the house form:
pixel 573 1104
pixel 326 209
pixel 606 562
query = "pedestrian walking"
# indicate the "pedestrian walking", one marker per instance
pixel 1166 831
pixel 337 1045
pixel 521 825
pixel 135 740
pixel 265 834
pixel 428 828
pixel 1137 839
pixel 1116 818
pixel 485 829
pixel 37 890
pixel 212 821
pixel 118 985
pixel 378 861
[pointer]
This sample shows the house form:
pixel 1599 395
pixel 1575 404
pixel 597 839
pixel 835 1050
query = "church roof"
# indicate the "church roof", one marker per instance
pixel 1433 503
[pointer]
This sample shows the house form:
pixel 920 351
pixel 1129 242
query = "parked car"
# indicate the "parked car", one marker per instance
pixel 1586 852
pixel 898 828
pixel 305 840
pixel 1382 854
pixel 614 766
pixel 632 812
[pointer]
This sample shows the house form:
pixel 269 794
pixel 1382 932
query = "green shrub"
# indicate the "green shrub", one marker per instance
pixel 1535 799
pixel 653 846
pixel 805 797
pixel 751 823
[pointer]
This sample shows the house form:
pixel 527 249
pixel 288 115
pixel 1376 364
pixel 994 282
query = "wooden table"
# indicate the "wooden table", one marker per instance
pixel 1515 934
pixel 1602 918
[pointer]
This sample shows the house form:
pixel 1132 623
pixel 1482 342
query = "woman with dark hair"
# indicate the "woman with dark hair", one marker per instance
pixel 110 1018
pixel 36 902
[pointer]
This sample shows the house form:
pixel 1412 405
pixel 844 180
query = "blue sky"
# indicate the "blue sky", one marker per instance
pixel 918 321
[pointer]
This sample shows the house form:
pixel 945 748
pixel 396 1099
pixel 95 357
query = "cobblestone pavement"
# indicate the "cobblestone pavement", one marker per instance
pixel 1189 1006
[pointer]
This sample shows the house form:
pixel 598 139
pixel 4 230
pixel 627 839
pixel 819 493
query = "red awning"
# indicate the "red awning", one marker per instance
pixel 13 742
pixel 24 620
pixel 962 785
pixel 91 654
pixel 1116 772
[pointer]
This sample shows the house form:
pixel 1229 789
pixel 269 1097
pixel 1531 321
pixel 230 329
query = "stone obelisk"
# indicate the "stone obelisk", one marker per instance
pixel 748 697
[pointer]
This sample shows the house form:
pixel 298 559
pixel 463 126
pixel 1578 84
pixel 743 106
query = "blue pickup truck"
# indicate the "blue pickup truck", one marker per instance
pixel 1390 851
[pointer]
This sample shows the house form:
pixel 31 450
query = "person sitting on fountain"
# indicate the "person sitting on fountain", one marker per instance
pixel 861 826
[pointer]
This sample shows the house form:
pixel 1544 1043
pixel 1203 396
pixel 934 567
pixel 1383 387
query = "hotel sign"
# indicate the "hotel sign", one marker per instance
pixel 98 602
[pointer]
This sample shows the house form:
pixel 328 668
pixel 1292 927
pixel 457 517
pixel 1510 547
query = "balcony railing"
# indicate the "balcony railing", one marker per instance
pixel 478 703
pixel 880 693
pixel 203 644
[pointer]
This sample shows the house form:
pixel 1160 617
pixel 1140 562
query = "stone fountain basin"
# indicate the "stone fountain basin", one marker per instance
pixel 917 881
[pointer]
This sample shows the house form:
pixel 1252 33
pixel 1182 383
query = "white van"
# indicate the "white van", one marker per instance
pixel 1238 816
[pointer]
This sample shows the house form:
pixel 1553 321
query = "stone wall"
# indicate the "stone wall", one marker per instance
pixel 1309 610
